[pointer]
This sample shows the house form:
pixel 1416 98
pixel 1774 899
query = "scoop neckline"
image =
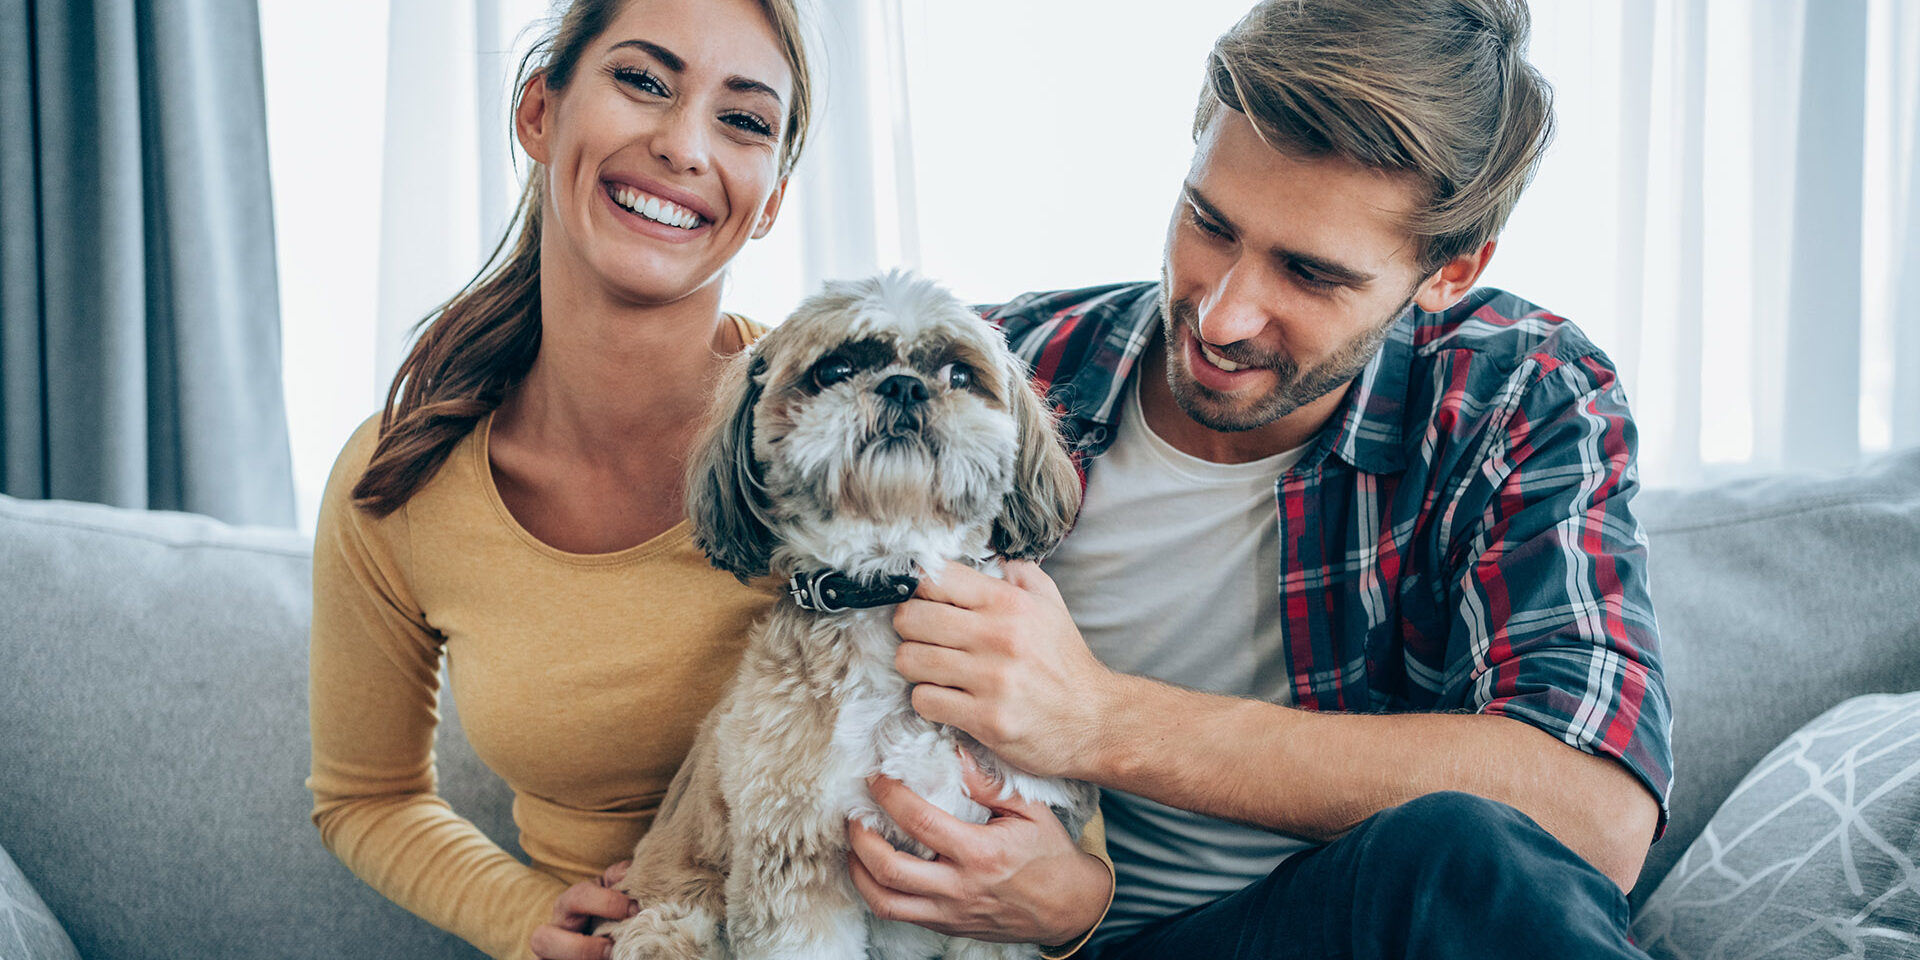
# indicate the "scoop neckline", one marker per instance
pixel 658 543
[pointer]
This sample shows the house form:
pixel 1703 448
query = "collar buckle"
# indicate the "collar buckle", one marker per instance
pixel 808 593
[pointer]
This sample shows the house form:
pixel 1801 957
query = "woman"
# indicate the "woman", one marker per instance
pixel 519 507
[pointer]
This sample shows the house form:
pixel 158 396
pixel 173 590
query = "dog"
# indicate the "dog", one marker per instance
pixel 880 431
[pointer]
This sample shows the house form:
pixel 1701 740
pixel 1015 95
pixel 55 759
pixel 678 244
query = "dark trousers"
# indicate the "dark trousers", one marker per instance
pixel 1446 876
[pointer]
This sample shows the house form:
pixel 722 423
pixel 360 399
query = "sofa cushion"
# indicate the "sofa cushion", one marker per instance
pixel 154 703
pixel 1777 598
pixel 1813 856
pixel 28 930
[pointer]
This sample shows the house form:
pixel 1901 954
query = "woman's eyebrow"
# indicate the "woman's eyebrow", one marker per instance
pixel 674 64
pixel 667 58
pixel 740 84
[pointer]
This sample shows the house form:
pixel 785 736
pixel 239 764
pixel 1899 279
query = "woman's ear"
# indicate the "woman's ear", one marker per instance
pixel 1045 498
pixel 771 210
pixel 725 497
pixel 530 118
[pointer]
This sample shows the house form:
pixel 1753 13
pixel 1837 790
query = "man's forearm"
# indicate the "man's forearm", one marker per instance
pixel 1317 775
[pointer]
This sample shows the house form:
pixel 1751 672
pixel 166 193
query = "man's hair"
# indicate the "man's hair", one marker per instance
pixel 1440 89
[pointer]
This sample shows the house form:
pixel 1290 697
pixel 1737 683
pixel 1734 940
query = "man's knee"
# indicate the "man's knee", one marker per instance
pixel 1458 838
pixel 1454 861
pixel 1450 832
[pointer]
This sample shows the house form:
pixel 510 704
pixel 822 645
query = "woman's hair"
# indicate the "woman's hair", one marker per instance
pixel 1437 88
pixel 477 346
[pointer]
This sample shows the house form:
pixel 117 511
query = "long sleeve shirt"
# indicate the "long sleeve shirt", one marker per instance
pixel 1459 537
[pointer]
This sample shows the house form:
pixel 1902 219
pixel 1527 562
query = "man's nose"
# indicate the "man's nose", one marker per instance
pixel 1236 309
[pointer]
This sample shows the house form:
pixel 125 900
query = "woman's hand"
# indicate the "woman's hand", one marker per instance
pixel 1018 878
pixel 578 906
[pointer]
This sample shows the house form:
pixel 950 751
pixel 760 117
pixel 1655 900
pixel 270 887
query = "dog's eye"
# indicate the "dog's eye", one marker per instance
pixel 831 369
pixel 958 376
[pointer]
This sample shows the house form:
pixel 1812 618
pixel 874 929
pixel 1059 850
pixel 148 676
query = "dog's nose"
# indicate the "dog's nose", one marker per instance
pixel 904 390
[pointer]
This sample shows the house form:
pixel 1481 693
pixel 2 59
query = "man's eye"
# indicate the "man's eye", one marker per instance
pixel 640 79
pixel 1313 281
pixel 831 370
pixel 1206 226
pixel 957 376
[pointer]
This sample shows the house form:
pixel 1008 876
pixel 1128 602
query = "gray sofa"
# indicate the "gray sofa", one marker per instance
pixel 153 730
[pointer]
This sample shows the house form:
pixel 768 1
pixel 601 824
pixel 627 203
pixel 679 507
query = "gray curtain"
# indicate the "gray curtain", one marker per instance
pixel 139 316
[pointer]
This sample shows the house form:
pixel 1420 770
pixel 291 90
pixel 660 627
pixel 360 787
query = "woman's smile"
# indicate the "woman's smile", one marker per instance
pixel 657 211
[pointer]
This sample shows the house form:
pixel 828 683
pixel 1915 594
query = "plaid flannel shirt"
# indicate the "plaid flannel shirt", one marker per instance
pixel 1458 537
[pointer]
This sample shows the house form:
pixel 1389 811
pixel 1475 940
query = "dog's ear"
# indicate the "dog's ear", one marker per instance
pixel 1045 498
pixel 725 497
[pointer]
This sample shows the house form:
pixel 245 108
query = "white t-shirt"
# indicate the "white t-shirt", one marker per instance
pixel 1172 572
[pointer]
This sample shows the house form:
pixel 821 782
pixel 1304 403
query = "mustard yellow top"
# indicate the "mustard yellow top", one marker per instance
pixel 581 681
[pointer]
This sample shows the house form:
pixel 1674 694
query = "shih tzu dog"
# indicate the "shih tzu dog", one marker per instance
pixel 882 430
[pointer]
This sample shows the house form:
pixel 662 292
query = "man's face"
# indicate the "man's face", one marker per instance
pixel 1282 276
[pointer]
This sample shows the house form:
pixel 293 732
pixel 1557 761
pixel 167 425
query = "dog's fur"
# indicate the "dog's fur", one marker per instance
pixel 748 857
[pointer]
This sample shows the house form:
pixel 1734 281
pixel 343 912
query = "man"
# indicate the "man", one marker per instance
pixel 1360 647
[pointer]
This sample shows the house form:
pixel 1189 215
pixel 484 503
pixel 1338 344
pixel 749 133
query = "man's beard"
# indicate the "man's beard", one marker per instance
pixel 1293 387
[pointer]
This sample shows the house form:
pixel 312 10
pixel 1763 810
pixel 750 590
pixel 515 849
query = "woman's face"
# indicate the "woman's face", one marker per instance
pixel 662 151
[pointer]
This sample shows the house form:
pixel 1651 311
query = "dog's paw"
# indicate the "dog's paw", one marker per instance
pixel 667 931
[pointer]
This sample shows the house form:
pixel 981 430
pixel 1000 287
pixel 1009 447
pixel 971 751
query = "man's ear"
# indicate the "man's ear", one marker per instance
pixel 1453 280
pixel 530 118
pixel 771 210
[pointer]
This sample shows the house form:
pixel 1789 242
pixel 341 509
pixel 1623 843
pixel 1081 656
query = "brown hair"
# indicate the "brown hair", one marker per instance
pixel 1437 88
pixel 477 346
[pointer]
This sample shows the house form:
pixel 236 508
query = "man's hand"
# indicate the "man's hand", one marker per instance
pixel 1002 660
pixel 1018 878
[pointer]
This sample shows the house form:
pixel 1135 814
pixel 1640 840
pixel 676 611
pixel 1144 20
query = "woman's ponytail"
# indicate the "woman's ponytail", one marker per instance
pixel 474 349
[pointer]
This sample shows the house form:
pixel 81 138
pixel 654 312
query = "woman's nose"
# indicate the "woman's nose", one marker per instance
pixel 682 141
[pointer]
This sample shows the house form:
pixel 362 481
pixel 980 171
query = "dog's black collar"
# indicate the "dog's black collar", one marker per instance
pixel 825 591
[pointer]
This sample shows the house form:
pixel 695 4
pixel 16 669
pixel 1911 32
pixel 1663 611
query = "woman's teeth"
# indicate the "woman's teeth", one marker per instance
pixel 656 209
pixel 1220 361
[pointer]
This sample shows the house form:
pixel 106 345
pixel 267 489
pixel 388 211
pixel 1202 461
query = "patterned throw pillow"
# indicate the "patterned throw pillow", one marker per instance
pixel 28 930
pixel 1813 856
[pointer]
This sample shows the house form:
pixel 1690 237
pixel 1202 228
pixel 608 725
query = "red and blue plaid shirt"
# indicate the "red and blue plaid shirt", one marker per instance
pixel 1458 538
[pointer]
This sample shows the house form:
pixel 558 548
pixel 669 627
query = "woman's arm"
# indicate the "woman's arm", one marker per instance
pixel 374 693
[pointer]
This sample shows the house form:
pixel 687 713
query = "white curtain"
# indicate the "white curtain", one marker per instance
pixel 1730 210
pixel 390 163
pixel 1776 147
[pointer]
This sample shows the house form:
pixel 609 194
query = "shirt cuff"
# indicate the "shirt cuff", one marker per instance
pixel 1063 952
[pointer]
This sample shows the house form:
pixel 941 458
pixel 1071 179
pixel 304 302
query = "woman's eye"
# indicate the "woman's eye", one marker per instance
pixel 831 370
pixel 957 376
pixel 749 123
pixel 641 80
